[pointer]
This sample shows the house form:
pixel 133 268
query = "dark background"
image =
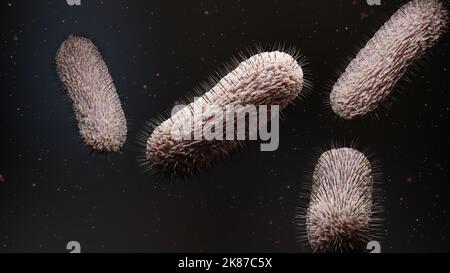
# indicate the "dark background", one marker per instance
pixel 53 191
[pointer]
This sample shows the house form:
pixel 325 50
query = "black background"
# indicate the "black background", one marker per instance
pixel 53 191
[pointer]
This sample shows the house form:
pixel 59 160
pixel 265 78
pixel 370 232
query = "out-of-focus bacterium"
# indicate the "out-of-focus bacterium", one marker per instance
pixel 268 78
pixel 87 82
pixel 377 68
pixel 340 209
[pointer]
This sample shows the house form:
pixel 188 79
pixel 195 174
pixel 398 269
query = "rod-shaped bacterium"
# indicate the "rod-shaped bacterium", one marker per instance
pixel 85 77
pixel 377 68
pixel 269 78
pixel 340 208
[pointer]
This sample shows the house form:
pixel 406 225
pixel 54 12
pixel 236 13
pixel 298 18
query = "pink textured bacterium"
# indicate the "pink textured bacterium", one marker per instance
pixel 341 208
pixel 268 78
pixel 377 68
pixel 85 77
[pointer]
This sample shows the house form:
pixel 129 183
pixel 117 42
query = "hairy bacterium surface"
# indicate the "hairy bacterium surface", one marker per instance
pixel 377 68
pixel 340 208
pixel 268 78
pixel 85 78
